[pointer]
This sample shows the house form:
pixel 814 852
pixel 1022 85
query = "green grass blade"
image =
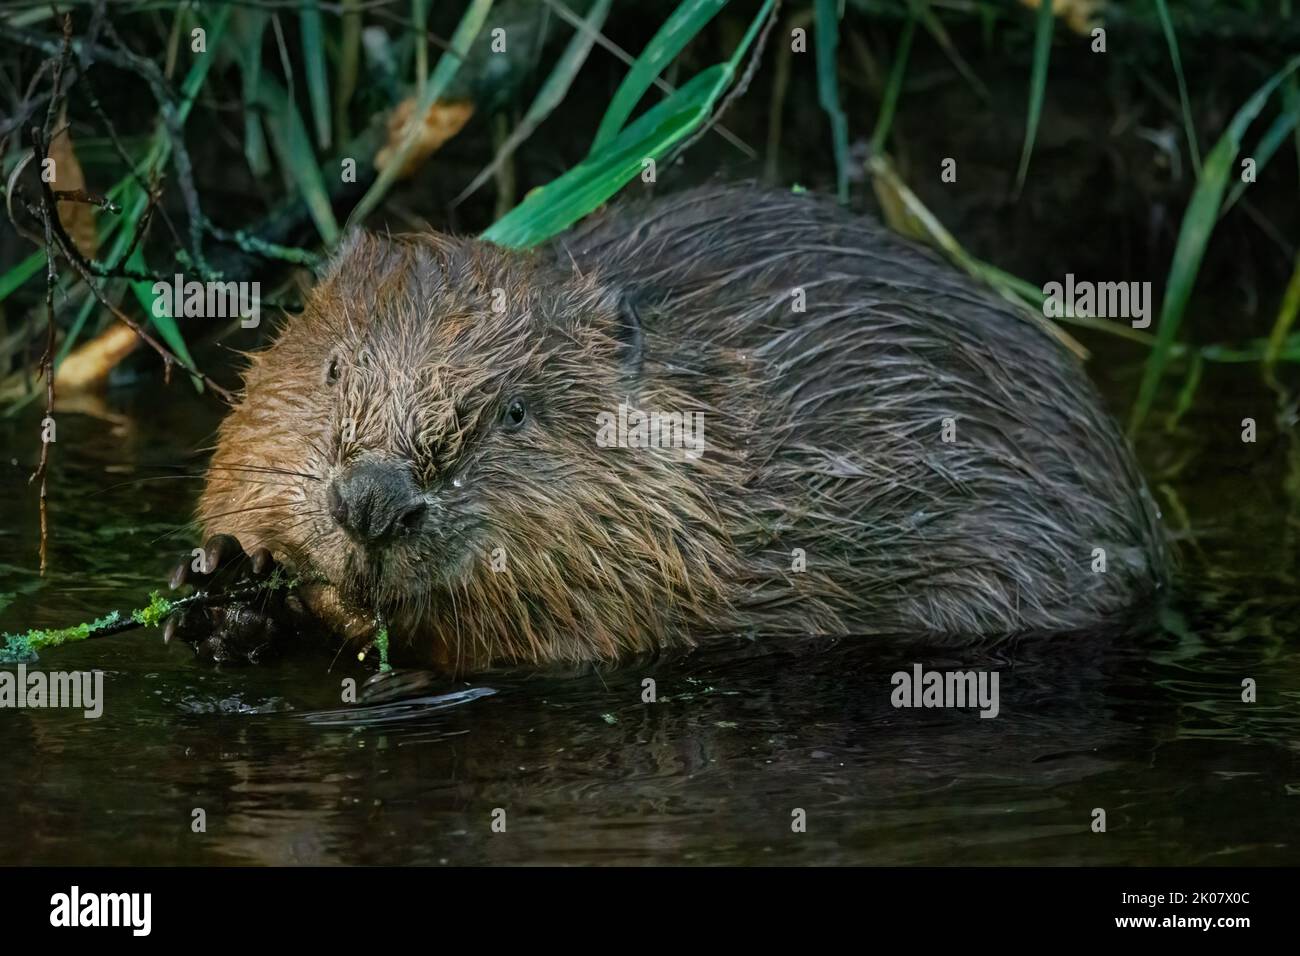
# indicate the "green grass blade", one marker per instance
pixel 936 29
pixel 828 90
pixel 549 96
pixel 165 323
pixel 88 305
pixel 1268 145
pixel 252 24
pixel 349 60
pixel 20 273
pixel 1194 235
pixel 1187 393
pixel 448 64
pixel 313 59
pixel 1251 351
pixel 679 29
pixel 1167 25
pixel 292 146
pixel 1286 315
pixel 1037 86
pixel 557 205
pixel 419 27
pixel 119 238
pixel 893 87
pixel 198 72
pixel 562 202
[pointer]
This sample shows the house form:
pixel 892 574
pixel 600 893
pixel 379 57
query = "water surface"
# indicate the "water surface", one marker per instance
pixel 1148 725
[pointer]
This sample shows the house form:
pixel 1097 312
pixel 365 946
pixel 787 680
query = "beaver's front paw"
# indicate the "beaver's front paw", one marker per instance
pixel 253 624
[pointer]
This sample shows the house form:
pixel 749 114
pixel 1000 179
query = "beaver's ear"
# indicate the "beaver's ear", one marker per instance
pixel 629 331
pixel 362 253
pixel 352 240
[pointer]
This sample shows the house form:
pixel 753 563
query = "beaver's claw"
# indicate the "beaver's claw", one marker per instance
pixel 242 630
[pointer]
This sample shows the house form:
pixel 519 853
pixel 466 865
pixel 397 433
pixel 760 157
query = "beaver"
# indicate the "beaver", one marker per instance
pixel 729 410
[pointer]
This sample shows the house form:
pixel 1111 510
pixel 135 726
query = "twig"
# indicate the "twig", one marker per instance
pixel 149 188
pixel 49 215
pixel 89 199
pixel 125 58
pixel 46 368
pixel 261 247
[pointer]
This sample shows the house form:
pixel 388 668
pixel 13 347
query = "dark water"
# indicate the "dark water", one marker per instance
pixel 1148 725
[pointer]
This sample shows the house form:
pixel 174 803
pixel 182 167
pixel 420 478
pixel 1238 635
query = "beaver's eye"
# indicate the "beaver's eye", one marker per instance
pixel 332 370
pixel 516 413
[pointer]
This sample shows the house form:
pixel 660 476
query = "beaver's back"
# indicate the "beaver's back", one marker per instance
pixel 943 464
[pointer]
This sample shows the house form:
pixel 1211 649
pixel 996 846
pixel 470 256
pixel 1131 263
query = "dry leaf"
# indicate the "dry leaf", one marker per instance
pixel 1081 16
pixel 89 364
pixel 78 218
pixel 444 120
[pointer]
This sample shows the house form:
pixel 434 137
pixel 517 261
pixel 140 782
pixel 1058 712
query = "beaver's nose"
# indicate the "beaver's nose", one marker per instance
pixel 374 501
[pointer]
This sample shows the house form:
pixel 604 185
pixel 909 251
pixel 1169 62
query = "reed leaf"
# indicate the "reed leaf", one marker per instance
pixel 1037 86
pixel 828 90
pixel 550 95
pixel 554 207
pixel 679 29
pixel 1193 237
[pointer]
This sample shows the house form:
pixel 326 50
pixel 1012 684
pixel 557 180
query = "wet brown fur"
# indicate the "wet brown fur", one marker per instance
pixel 823 433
